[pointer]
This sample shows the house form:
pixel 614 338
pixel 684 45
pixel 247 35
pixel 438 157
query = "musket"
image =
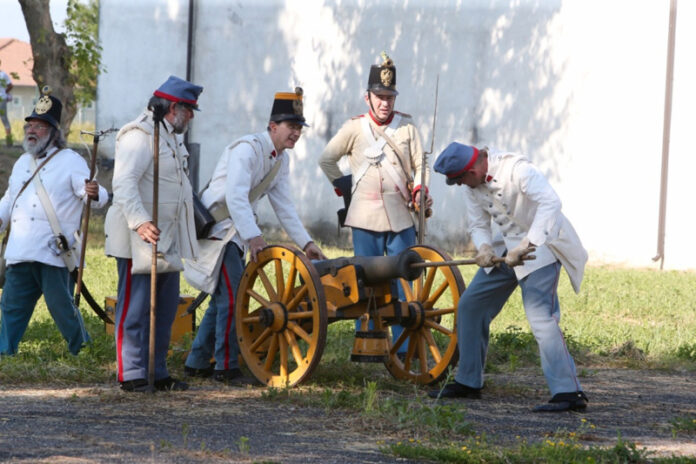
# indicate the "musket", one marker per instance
pixel 424 165
pixel 86 211
pixel 153 269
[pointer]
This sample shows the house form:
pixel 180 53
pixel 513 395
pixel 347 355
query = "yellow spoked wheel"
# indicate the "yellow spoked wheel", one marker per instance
pixel 280 316
pixel 430 330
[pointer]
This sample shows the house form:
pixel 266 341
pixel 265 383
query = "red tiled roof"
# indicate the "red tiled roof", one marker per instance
pixel 16 57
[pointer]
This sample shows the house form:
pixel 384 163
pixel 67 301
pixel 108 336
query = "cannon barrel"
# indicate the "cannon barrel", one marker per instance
pixel 376 269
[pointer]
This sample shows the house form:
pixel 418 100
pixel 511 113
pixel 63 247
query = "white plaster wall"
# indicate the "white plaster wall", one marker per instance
pixel 577 85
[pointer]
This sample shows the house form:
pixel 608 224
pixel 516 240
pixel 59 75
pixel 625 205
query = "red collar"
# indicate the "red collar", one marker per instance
pixel 385 123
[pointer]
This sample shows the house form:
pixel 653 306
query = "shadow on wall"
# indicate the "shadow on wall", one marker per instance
pixel 498 69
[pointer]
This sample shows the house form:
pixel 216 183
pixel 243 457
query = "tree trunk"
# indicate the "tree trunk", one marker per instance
pixel 52 57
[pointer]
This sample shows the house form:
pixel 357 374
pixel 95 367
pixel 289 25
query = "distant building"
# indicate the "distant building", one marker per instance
pixel 17 61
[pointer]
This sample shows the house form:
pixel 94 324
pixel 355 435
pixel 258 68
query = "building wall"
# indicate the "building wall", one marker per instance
pixel 578 86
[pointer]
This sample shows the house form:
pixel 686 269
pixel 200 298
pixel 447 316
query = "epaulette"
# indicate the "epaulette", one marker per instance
pixel 358 116
pixel 404 115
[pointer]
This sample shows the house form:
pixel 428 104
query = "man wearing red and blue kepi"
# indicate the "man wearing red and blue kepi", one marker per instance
pixel 130 231
pixel 512 210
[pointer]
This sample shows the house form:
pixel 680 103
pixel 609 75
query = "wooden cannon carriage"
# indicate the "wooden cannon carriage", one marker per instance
pixel 285 304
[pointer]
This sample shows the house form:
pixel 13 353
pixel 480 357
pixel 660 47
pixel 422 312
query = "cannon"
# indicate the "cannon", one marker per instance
pixel 285 303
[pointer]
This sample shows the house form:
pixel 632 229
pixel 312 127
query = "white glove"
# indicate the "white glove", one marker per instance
pixel 485 255
pixel 514 256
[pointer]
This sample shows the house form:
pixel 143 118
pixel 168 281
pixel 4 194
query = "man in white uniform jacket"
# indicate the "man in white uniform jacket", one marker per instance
pixel 36 257
pixel 130 231
pixel 507 196
pixel 255 160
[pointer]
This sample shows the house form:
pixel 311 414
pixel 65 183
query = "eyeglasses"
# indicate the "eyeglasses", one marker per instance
pixel 36 126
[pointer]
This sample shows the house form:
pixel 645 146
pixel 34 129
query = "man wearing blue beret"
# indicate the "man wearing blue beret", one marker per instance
pixel 130 231
pixel 511 211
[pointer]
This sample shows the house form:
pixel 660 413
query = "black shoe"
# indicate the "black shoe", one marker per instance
pixel 572 401
pixel 232 377
pixel 194 372
pixel 136 385
pixel 170 384
pixel 456 390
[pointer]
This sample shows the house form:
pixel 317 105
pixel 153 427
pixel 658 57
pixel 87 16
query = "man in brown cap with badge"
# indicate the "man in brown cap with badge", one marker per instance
pixel 41 209
pixel 249 168
pixel 385 155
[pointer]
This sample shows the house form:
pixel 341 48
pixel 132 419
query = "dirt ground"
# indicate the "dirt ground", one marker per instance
pixel 213 423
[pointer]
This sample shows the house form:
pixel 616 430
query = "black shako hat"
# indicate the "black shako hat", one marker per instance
pixel 48 108
pixel 382 78
pixel 287 106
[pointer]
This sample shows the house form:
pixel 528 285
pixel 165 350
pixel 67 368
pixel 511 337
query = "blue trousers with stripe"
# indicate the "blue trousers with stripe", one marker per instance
pixel 24 284
pixel 216 335
pixel 132 330
pixel 485 297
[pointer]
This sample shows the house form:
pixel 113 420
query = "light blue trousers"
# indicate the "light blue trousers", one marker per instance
pixel 132 331
pixel 484 299
pixel 24 284
pixel 217 333
pixel 370 243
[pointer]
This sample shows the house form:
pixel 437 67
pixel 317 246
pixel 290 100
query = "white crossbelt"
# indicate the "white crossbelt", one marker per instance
pixel 375 154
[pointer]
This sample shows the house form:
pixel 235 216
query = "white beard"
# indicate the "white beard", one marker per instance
pixel 33 146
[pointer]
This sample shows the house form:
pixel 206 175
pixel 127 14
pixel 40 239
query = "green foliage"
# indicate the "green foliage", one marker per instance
pixel 683 425
pixel 82 35
pixel 552 450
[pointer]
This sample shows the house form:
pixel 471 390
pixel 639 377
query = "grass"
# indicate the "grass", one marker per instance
pixel 622 318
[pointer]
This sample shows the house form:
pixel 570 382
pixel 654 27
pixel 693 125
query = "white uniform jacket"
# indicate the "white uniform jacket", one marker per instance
pixel 378 203
pixel 242 166
pixel 63 177
pixel 516 201
pixel 133 197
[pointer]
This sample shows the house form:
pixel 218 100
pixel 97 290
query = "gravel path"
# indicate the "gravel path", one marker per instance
pixel 211 424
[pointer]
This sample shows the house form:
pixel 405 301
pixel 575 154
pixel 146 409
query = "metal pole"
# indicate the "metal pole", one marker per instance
pixel 666 128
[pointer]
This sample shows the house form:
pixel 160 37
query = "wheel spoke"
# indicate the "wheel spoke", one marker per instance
pixel 290 282
pixel 279 276
pixel 436 295
pixel 264 302
pixel 299 295
pixel 295 315
pixel 407 289
pixel 272 350
pixel 294 347
pixel 270 291
pixel 439 312
pixel 300 332
pixel 283 356
pixel 399 341
pixel 440 328
pixel 434 349
pixel 422 355
pixel 262 338
pixel 429 279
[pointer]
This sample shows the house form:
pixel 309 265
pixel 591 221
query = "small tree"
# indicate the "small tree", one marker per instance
pixel 69 63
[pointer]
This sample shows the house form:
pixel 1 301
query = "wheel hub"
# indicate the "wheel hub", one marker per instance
pixel 275 317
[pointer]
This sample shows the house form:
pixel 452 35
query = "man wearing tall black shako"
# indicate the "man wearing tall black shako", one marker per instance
pixel 251 167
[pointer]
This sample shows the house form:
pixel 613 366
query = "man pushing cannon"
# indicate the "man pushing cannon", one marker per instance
pixel 506 194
